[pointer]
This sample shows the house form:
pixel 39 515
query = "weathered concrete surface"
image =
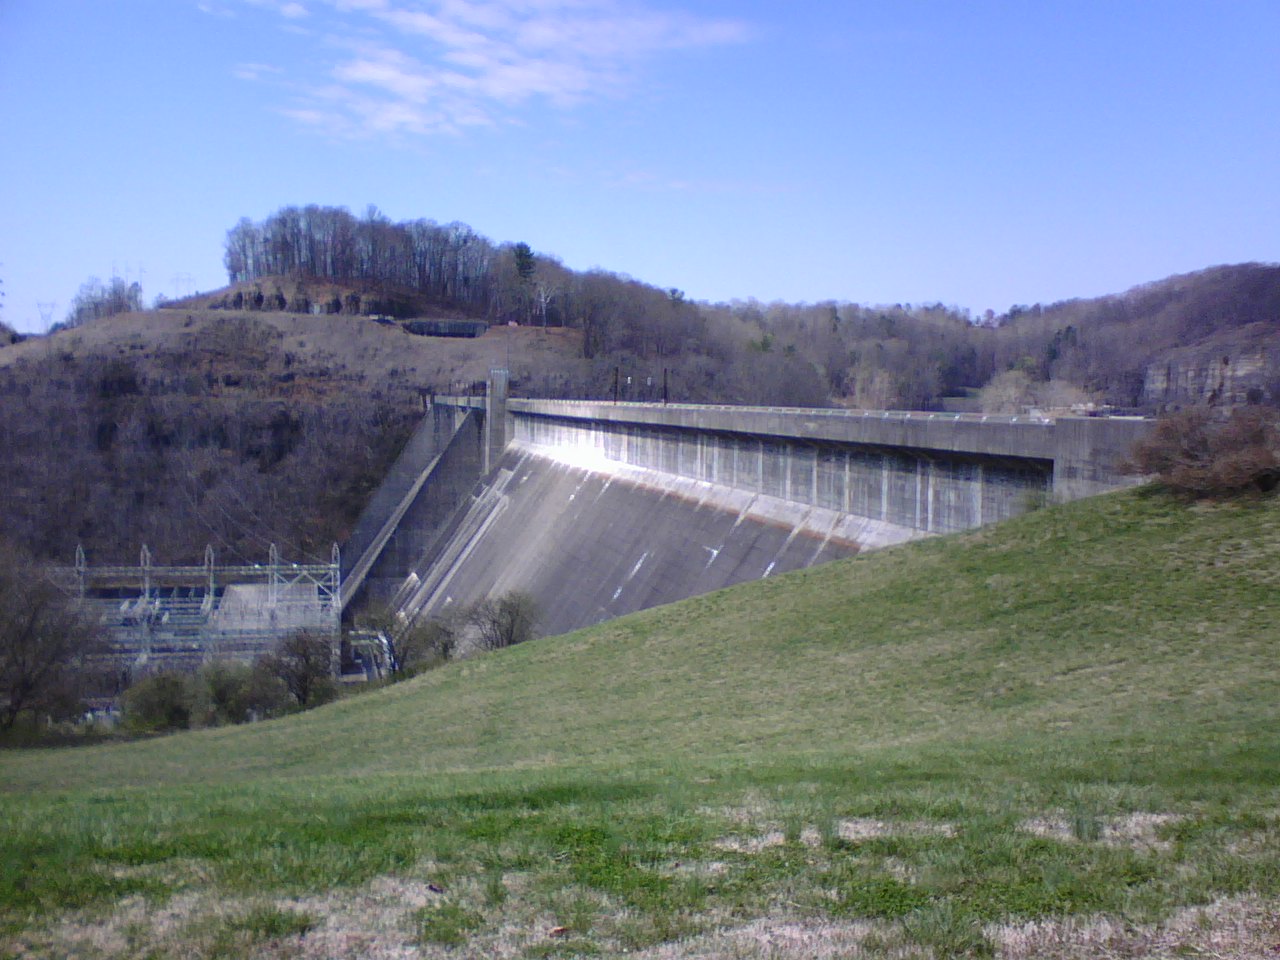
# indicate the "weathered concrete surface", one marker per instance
pixel 601 509
pixel 455 463
pixel 495 418
pixel 591 545
pixel 396 494
pixel 1082 453
pixel 1090 452
pixel 930 491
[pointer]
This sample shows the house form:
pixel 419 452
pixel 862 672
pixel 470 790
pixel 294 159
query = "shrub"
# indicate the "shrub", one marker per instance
pixel 413 645
pixel 161 702
pixel 237 692
pixel 1200 454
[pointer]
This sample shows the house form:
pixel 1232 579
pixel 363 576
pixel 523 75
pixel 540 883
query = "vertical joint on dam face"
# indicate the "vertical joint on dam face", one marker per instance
pixel 495 417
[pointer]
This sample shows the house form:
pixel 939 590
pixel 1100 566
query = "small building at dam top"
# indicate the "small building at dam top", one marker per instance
pixel 600 508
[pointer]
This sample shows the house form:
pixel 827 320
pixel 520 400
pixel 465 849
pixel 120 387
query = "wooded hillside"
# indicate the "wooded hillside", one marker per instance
pixel 1113 350
pixel 266 412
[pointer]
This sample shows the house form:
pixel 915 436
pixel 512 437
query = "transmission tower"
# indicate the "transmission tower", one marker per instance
pixel 46 314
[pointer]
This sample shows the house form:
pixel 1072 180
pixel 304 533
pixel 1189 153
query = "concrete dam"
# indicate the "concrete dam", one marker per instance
pixel 599 509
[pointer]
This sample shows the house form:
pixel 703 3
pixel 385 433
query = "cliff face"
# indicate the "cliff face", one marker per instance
pixel 1229 368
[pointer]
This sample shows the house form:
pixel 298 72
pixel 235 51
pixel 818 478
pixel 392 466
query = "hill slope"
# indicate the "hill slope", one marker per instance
pixel 180 428
pixel 1072 713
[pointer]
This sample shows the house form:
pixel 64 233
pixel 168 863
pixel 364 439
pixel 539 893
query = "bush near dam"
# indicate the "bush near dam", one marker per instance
pixel 1054 737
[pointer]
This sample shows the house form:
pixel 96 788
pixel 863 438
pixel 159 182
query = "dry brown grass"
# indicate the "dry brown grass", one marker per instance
pixel 376 921
pixel 1135 830
pixel 856 828
pixel 365 348
pixel 1243 928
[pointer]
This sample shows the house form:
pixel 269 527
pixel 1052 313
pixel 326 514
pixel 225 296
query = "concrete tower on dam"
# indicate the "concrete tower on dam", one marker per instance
pixel 599 509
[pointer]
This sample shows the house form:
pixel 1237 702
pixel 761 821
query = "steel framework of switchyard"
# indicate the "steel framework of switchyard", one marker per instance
pixel 179 617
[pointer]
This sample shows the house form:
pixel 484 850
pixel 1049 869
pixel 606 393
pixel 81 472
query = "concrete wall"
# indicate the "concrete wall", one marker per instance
pixel 601 509
pixel 590 545
pixel 1077 456
pixel 452 471
pixel 428 440
pixel 1020 437
pixel 1089 453
pixel 927 491
pixel 496 433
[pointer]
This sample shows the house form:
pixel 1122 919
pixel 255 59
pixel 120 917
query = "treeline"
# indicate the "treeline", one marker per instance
pixel 451 263
pixel 452 266
pixel 892 356
pixel 96 300
pixel 1101 350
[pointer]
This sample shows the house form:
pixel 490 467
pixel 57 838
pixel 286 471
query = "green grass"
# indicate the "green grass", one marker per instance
pixel 1070 715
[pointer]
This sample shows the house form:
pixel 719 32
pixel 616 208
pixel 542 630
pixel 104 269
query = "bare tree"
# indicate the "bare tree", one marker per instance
pixel 1007 392
pixel 96 300
pixel 504 621
pixel 305 662
pixel 45 640
pixel 412 644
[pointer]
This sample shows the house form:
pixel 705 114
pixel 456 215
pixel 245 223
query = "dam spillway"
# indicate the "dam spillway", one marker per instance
pixel 599 509
pixel 590 545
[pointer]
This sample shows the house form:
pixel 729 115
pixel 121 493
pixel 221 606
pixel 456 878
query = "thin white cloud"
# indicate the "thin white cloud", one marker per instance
pixel 290 9
pixel 437 66
pixel 255 71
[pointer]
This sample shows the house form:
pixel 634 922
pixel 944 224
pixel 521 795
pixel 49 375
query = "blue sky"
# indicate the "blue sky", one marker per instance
pixel 980 154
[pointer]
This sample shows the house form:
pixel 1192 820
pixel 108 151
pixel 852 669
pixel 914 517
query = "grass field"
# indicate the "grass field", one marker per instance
pixel 1057 737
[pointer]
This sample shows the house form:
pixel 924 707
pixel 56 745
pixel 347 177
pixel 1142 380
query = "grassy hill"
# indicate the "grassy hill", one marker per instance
pixel 1054 737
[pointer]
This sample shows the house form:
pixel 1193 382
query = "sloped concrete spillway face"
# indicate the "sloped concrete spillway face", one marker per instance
pixel 600 509
pixel 903 488
pixel 593 544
